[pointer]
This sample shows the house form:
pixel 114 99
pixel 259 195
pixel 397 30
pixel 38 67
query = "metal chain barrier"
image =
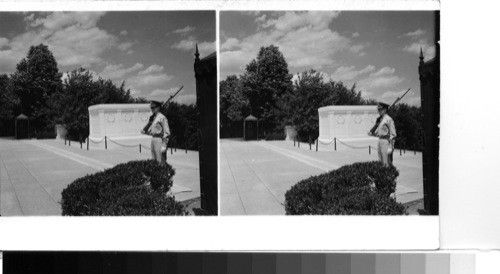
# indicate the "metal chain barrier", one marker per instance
pixel 326 143
pixel 353 147
pixel 122 144
pixel 98 142
pixel 140 146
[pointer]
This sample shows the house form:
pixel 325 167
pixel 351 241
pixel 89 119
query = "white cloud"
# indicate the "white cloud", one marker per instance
pixel 123 32
pixel 383 71
pixel 59 20
pixel 3 42
pixel 230 44
pixel 152 78
pixel 185 30
pixel 29 18
pixel 125 46
pixel 164 92
pixel 349 73
pixel 384 78
pixel 393 95
pixel 8 60
pixel 317 20
pixel 413 101
pixel 261 19
pixel 186 99
pixel 355 35
pixel 73 38
pixel 415 34
pixel 428 50
pixel 304 38
pixel 151 70
pixel 189 44
pixel 117 72
pixel 358 49
pixel 366 94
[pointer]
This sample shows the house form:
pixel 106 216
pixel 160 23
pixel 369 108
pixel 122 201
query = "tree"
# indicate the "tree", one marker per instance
pixel 8 100
pixel 233 105
pixel 343 96
pixel 72 103
pixel 408 122
pixel 182 120
pixel 310 93
pixel 110 94
pixel 35 80
pixel 265 81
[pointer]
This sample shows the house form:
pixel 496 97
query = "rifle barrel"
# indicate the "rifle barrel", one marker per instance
pixel 399 98
pixel 171 97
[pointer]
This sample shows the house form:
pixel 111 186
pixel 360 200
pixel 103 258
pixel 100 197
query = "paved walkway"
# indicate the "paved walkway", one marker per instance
pixel 34 172
pixel 254 176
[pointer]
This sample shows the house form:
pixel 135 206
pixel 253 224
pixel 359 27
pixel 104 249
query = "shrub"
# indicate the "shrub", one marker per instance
pixel 133 188
pixel 357 189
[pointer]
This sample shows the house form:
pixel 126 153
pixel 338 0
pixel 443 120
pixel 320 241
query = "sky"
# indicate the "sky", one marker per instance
pixel 377 50
pixel 152 51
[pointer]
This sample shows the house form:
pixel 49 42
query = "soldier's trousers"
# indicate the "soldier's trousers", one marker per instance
pixel 156 153
pixel 383 147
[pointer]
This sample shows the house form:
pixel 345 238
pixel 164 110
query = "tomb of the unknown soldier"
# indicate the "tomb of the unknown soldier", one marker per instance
pixel 119 124
pixel 348 124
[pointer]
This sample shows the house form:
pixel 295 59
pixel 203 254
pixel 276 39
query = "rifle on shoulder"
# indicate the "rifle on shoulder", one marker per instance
pixel 164 105
pixel 372 131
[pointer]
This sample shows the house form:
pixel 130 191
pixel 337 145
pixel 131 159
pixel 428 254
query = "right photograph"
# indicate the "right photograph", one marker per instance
pixel 329 112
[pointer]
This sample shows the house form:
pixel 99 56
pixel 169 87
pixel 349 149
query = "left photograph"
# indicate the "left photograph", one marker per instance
pixel 108 113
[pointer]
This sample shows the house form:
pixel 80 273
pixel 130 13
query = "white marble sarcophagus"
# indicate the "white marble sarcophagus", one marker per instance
pixel 346 122
pixel 118 121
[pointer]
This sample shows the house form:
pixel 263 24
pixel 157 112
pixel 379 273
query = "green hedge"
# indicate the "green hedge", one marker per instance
pixel 357 189
pixel 133 188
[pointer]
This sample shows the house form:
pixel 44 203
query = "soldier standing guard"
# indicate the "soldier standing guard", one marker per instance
pixel 385 130
pixel 159 130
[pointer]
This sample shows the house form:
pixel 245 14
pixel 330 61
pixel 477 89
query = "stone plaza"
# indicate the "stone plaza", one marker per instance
pixel 34 172
pixel 255 175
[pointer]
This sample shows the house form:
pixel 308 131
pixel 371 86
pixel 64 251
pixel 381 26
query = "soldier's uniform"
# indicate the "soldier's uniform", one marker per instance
pixel 386 132
pixel 160 132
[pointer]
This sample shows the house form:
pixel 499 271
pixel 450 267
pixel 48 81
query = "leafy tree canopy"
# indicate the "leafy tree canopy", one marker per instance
pixel 234 106
pixel 35 80
pixel 264 82
pixel 8 100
